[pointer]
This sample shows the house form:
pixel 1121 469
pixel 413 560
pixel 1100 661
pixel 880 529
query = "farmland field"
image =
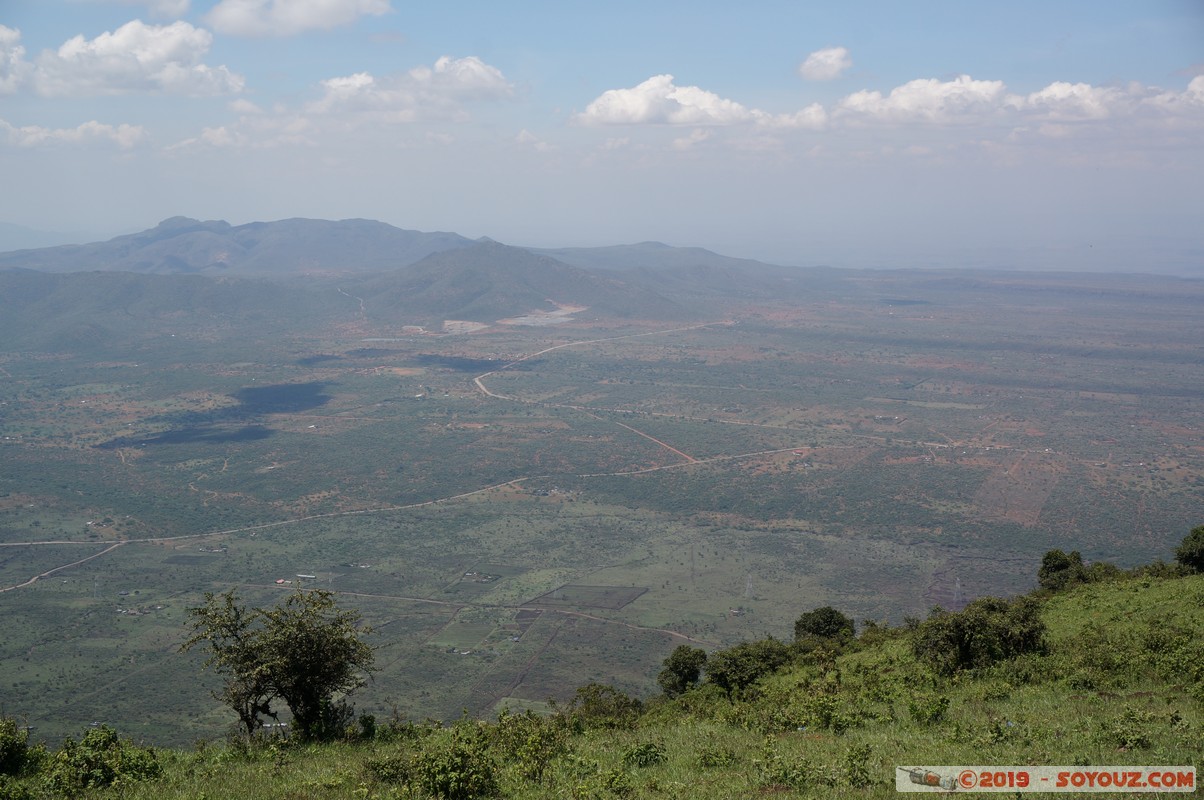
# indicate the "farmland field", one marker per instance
pixel 519 511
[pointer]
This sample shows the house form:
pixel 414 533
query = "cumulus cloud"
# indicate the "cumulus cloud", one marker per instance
pixel 124 136
pixel 927 100
pixel 659 101
pixel 826 64
pixel 814 117
pixel 1061 100
pixel 289 17
pixel 13 66
pixel 134 58
pixel 424 92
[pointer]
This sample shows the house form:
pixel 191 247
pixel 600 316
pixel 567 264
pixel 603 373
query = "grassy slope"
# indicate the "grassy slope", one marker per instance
pixel 1121 684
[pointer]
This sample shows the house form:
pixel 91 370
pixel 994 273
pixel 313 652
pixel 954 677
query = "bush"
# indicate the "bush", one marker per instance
pixel 682 670
pixel 11 790
pixel 738 667
pixel 1060 570
pixel 989 630
pixel 598 705
pixel 644 755
pixel 14 746
pixel 460 770
pixel 1190 552
pixel 824 623
pixel 101 758
pixel 530 741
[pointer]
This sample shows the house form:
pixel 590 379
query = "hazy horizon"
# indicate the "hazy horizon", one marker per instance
pixel 868 134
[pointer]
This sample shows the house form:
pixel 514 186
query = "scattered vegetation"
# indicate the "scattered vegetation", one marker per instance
pixel 1102 672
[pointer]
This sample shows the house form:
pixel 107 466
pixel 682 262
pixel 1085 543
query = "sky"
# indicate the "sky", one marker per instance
pixel 1018 135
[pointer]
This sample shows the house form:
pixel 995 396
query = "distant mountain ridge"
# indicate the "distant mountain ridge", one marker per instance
pixel 181 245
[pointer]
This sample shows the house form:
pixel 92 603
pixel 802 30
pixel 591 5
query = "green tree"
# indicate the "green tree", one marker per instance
pixel 1190 552
pixel 682 670
pixel 1059 570
pixel 987 631
pixel 304 651
pixel 824 623
pixel 738 667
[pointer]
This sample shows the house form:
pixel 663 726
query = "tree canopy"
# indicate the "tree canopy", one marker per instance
pixel 304 651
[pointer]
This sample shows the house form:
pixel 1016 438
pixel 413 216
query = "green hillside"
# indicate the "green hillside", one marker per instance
pixel 1117 678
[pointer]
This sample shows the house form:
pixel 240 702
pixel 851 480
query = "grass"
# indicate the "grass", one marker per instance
pixel 820 728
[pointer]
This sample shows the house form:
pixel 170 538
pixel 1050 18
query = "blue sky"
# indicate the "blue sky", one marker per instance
pixel 1019 135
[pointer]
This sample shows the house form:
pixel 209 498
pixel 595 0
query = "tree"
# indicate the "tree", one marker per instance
pixel 303 651
pixel 738 667
pixel 824 623
pixel 1059 570
pixel 682 670
pixel 1190 552
pixel 987 631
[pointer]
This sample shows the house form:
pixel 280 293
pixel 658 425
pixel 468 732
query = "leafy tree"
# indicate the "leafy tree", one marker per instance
pixel 682 670
pixel 1190 552
pixel 1059 570
pixel 738 667
pixel 303 651
pixel 989 630
pixel 824 623
pixel 14 746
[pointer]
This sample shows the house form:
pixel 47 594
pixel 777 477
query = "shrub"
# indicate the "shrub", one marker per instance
pixel 14 746
pixel 644 755
pixel 1190 552
pixel 682 670
pixel 530 741
pixel 928 709
pixel 598 705
pixel 459 770
pixel 989 630
pixel 738 667
pixel 824 623
pixel 11 790
pixel 1060 570
pixel 101 758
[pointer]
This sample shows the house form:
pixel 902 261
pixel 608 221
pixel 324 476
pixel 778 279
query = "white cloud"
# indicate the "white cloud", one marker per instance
pixel 437 92
pixel 289 17
pixel 826 64
pixel 813 118
pixel 124 136
pixel 1061 100
pixel 697 136
pixel 658 101
pixel 135 58
pixel 927 100
pixel 13 66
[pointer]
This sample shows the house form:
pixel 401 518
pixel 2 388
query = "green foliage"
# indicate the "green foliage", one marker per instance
pixel 1060 570
pixel 529 741
pixel 738 667
pixel 598 705
pixel 682 670
pixel 711 756
pixel 1190 552
pixel 989 630
pixel 928 708
pixel 645 754
pixel 101 758
pixel 461 769
pixel 824 623
pixel 303 651
pixel 10 789
pixel 14 746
